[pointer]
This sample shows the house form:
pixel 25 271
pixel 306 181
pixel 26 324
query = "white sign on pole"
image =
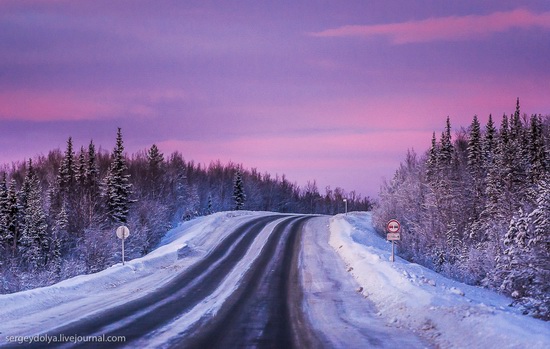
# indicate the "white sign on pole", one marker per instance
pixel 394 236
pixel 122 233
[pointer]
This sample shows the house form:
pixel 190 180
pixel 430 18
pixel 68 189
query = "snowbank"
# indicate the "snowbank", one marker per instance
pixel 448 313
pixel 32 311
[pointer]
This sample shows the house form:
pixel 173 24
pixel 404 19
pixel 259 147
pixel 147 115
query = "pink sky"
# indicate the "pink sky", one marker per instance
pixel 335 93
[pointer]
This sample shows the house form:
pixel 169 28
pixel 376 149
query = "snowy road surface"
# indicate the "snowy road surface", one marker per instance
pixel 265 280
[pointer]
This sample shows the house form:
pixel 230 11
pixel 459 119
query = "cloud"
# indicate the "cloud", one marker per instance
pixel 91 105
pixel 48 106
pixel 445 28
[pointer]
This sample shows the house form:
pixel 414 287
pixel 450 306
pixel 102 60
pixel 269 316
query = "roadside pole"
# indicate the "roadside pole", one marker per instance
pixel 393 227
pixel 346 205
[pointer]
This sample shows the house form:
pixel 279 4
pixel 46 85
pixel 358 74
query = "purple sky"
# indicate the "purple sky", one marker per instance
pixel 335 91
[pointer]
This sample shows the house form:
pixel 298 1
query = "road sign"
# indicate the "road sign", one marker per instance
pixel 393 226
pixel 393 236
pixel 122 232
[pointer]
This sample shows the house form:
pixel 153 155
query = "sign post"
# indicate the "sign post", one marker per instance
pixel 122 233
pixel 393 228
pixel 346 205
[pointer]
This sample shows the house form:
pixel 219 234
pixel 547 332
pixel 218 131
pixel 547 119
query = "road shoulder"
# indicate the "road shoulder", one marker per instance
pixel 338 313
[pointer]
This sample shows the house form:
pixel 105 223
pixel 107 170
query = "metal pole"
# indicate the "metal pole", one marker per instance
pixel 122 251
pixel 392 255
pixel 346 206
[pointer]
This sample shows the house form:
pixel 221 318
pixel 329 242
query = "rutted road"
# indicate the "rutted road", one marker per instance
pixel 272 282
pixel 264 311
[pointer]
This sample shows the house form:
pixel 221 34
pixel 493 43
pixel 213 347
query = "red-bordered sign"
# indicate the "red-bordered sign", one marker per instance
pixel 393 226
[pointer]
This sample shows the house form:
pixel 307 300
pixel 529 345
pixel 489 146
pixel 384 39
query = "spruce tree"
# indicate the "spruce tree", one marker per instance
pixel 155 160
pixel 431 164
pixel 92 193
pixel 239 197
pixel 5 234
pixel 92 172
pixel 503 167
pixel 446 150
pixel 34 242
pixel 59 234
pixel 80 170
pixel 4 211
pixel 155 174
pixel 537 151
pixel 475 156
pixel 210 207
pixel 489 141
pixel 539 259
pixel 475 167
pixel 541 215
pixel 516 126
pixel 67 171
pixel 12 218
pixel 118 187
pixel 518 150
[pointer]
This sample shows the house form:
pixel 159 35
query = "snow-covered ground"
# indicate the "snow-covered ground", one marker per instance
pixel 339 314
pixel 450 314
pixel 36 311
pixel 399 298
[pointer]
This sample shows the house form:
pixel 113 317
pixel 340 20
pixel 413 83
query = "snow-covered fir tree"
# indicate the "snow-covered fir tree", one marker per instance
pixel 239 197
pixel 209 205
pixel 538 161
pixel 476 168
pixel 12 218
pixel 59 234
pixel 34 243
pixel 156 171
pixel 4 209
pixel 489 141
pixel 431 162
pixel 92 172
pixel 80 170
pixel 117 184
pixel 5 234
pixel 67 171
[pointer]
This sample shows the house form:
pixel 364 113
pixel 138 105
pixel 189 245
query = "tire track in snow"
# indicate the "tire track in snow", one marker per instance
pixel 266 311
pixel 143 315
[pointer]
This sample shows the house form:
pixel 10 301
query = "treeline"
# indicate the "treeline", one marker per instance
pixel 477 208
pixel 58 212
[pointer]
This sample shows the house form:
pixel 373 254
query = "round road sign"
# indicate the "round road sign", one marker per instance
pixel 393 226
pixel 122 232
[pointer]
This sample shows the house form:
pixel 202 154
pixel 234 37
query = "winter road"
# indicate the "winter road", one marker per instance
pixel 258 314
pixel 293 280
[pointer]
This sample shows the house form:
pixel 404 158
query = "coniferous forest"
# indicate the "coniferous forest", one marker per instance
pixel 59 212
pixel 476 207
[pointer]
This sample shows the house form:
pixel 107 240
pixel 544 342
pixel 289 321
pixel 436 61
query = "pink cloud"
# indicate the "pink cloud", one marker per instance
pixel 63 105
pixel 446 28
pixel 47 106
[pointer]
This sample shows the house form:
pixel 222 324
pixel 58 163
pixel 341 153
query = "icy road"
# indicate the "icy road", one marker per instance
pixel 264 280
